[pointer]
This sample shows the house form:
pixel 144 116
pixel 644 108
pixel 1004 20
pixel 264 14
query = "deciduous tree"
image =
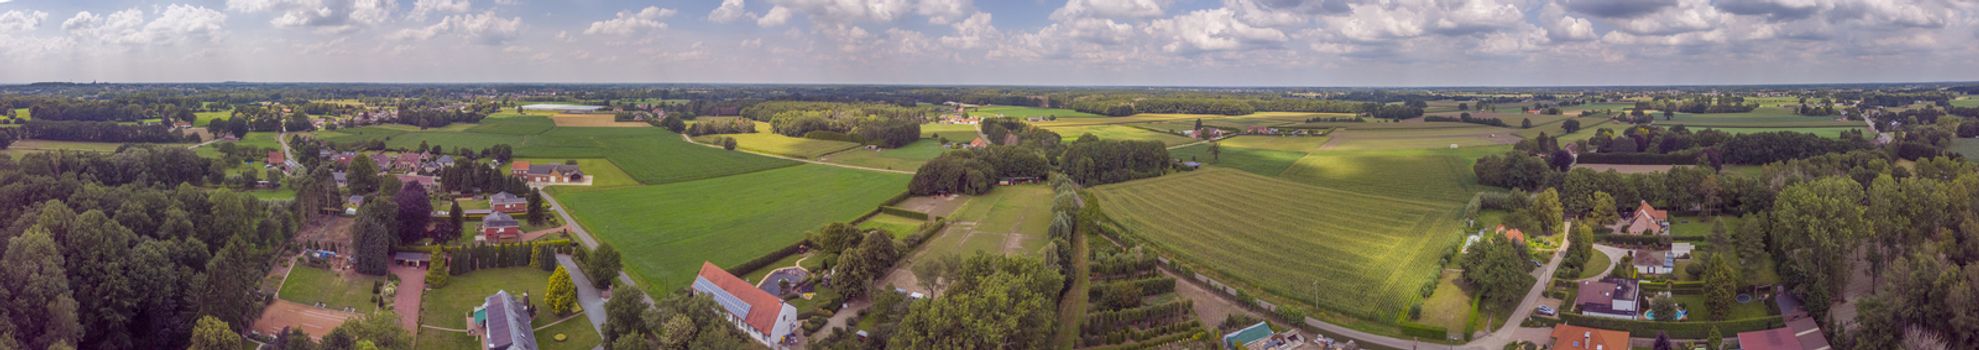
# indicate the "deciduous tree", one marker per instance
pixel 214 334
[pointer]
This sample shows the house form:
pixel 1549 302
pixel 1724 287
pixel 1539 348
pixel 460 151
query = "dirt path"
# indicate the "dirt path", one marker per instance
pixel 412 284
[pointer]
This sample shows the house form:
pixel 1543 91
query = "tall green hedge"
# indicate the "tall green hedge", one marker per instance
pixel 1679 330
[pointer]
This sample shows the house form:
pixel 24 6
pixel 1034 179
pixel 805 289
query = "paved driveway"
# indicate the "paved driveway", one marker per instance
pixel 587 296
pixel 412 284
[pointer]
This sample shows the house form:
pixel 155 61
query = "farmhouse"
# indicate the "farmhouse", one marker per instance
pixel 503 323
pixel 342 178
pixel 547 173
pixel 497 226
pixel 1566 337
pixel 561 108
pixel 508 203
pixel 762 316
pixel 978 143
pixel 1512 234
pixel 276 158
pixel 1648 221
pixel 1609 297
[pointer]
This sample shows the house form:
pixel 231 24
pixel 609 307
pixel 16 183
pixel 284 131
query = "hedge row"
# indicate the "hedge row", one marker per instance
pixel 1202 336
pixel 1126 266
pixel 1144 287
pixel 1679 158
pixel 468 258
pixel 759 262
pixel 903 212
pixel 1108 321
pixel 1624 239
pixel 1679 287
pixel 927 230
pixel 1140 334
pixel 1679 330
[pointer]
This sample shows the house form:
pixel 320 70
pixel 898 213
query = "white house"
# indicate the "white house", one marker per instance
pixel 762 316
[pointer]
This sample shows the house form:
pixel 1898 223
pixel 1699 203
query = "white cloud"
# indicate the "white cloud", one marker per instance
pixel 777 16
pixel 1117 9
pixel 483 28
pixel 974 32
pixel 176 24
pixel 21 21
pixel 1213 30
pixel 730 11
pixel 845 10
pixel 328 15
pixel 626 23
pixel 421 8
pixel 943 11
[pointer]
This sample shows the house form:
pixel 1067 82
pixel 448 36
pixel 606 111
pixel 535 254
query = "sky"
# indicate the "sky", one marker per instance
pixel 995 42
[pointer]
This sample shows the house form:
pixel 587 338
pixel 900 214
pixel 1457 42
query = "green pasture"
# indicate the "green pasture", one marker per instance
pixel 1010 219
pixel 1967 102
pixel 1137 118
pixel 1119 132
pixel 1967 147
pixel 1764 117
pixel 959 133
pixel 581 336
pixel 764 141
pixel 1255 160
pixel 648 155
pixel 668 230
pixel 1428 174
pixel 1349 255
pixel 908 158
pixel 514 126
pixel 1354 139
pixel 898 226
pixel 1027 112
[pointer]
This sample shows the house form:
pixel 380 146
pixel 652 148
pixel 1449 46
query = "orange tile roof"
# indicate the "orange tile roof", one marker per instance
pixel 1566 337
pixel 763 307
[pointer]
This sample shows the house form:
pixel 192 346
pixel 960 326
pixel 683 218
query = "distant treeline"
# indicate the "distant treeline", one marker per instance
pixel 884 125
pixel 1123 106
pixel 98 131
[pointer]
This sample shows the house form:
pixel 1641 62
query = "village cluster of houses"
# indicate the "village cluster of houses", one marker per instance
pixel 1620 298
pixel 498 223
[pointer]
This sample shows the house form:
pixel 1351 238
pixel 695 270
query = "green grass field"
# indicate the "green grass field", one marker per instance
pixel 1449 307
pixel 1345 253
pixel 602 172
pixel 514 126
pixel 1137 118
pixel 1967 147
pixel 899 226
pixel 1255 160
pixel 772 143
pixel 1119 132
pixel 24 147
pixel 668 230
pixel 1010 219
pixel 907 157
pixel 648 155
pixel 1461 134
pixel 1433 174
pixel 311 285
pixel 433 339
pixel 953 132
pixel 1597 265
pixel 581 336
pixel 448 306
pixel 1026 112
pixel 1967 102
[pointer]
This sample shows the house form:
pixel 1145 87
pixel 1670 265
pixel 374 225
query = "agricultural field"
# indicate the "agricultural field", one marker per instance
pixel 1967 102
pixel 1137 118
pixel 907 158
pixel 1248 120
pixel 1764 117
pixel 952 132
pixel 1027 112
pixel 24 114
pixel 1340 252
pixel 668 230
pixel 1009 220
pixel 1119 132
pixel 764 141
pixel 595 121
pixel 1427 174
pixel 1464 135
pixel 1263 155
pixel 521 125
pixel 648 155
pixel 1587 127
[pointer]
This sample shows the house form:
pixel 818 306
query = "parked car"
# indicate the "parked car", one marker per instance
pixel 1547 310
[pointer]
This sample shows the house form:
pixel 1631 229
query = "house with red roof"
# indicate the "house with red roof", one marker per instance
pixel 498 226
pixel 276 158
pixel 1647 220
pixel 762 316
pixel 1568 337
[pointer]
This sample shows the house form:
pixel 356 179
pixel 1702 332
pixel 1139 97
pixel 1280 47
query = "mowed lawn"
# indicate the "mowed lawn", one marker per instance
pixel 1262 161
pixel 1345 253
pixel 898 226
pixel 666 231
pixel 1008 220
pixel 1119 132
pixel 1431 174
pixel 958 133
pixel 909 157
pixel 311 285
pixel 1026 112
pixel 448 306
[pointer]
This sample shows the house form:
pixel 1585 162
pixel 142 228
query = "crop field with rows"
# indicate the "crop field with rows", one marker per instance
pixel 1361 255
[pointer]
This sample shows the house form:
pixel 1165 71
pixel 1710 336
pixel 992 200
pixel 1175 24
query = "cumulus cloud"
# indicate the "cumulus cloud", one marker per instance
pixel 1213 30
pixel 626 23
pixel 175 24
pixel 943 11
pixel 21 21
pixel 329 15
pixel 421 8
pixel 729 11
pixel 776 17
pixel 1117 9
pixel 846 11
pixel 482 28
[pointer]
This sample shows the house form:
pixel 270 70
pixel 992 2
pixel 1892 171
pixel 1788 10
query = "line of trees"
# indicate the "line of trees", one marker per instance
pixel 1130 105
pixel 976 171
pixel 95 131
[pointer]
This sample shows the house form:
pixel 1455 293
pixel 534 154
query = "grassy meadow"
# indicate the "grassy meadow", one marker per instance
pixel 1008 220
pixel 648 155
pixel 764 141
pixel 1430 174
pixel 448 306
pixel 1340 252
pixel 908 158
pixel 668 230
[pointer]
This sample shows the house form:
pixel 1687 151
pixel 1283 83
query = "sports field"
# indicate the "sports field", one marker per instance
pixel 908 157
pixel 1348 253
pixel 666 231
pixel 1119 132
pixel 1026 112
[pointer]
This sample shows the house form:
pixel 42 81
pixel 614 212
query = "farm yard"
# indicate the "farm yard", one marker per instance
pixel 1346 253
pixel 667 230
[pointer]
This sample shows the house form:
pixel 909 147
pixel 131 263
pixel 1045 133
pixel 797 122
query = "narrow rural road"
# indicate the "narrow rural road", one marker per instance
pixel 1511 331
pixel 691 140
pixel 587 296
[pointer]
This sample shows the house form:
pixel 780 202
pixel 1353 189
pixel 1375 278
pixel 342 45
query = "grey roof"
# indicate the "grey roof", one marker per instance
pixel 505 198
pixel 498 219
pixel 566 169
pixel 411 256
pixel 355 199
pixel 508 325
